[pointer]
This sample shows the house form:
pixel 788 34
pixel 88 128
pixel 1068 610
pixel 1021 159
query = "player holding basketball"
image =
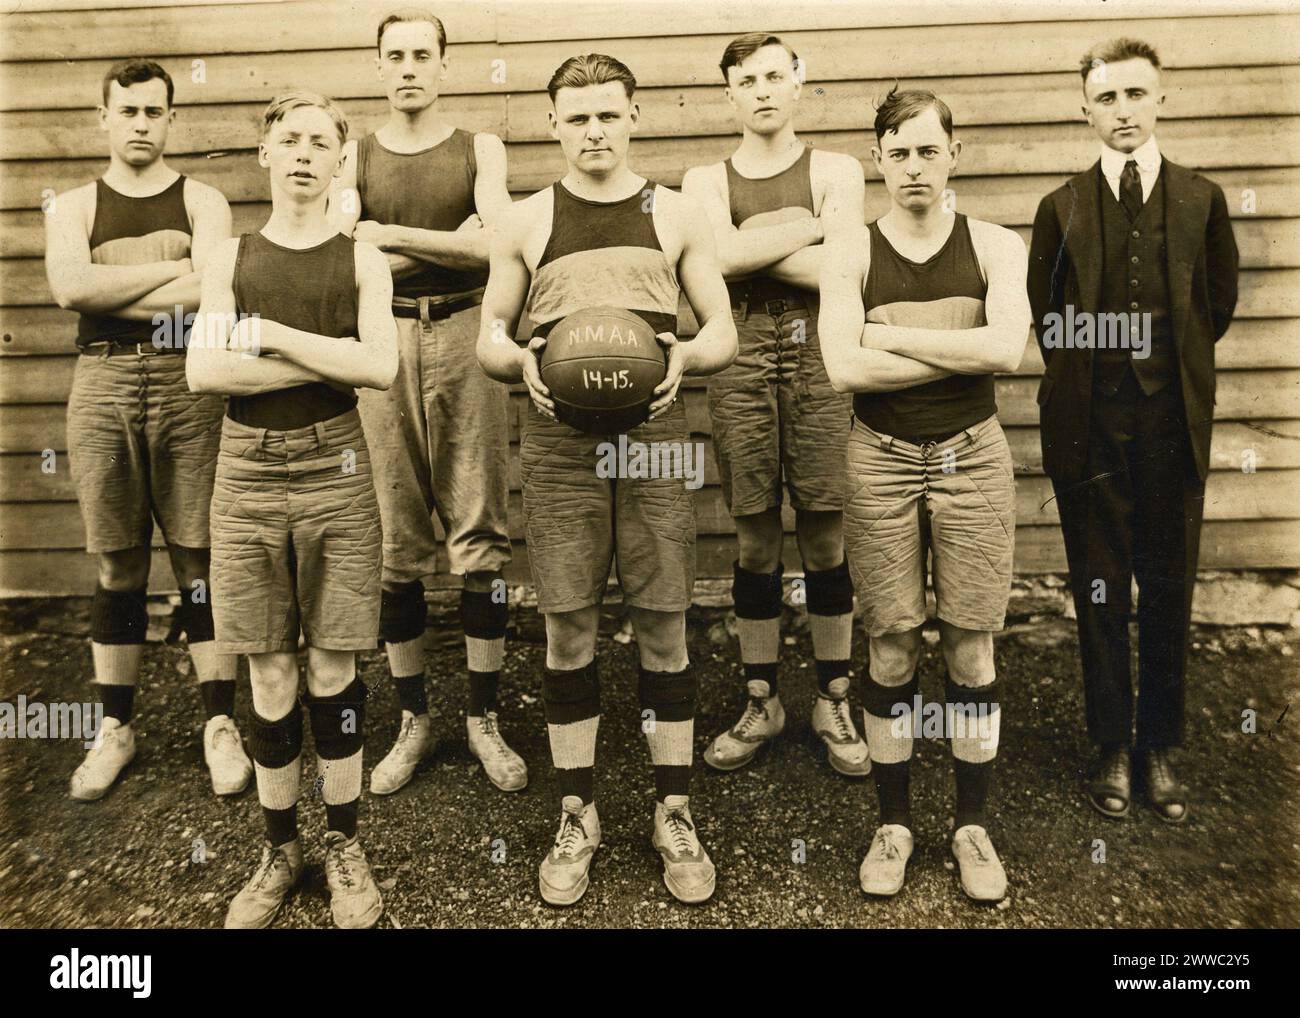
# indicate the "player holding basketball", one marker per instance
pixel 775 413
pixel 421 191
pixel 296 538
pixel 122 251
pixel 603 235
pixel 918 311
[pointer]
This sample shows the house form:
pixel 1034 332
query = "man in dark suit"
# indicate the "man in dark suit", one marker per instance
pixel 1132 280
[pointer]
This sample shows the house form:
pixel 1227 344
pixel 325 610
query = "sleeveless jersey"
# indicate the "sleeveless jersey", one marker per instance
pixel 313 289
pixel 432 190
pixel 944 292
pixel 603 253
pixel 748 196
pixel 134 231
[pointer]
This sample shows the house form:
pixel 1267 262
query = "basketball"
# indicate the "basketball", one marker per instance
pixel 601 365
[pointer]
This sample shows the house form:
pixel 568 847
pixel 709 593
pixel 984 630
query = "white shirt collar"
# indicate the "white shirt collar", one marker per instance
pixel 1147 156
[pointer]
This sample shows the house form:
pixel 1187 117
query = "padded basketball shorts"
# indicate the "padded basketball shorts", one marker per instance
pixel 577 522
pixel 438 444
pixel 775 415
pixel 953 502
pixel 296 539
pixel 141 446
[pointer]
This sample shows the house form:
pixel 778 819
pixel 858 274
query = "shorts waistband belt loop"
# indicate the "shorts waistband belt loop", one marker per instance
pixel 322 437
pixel 423 303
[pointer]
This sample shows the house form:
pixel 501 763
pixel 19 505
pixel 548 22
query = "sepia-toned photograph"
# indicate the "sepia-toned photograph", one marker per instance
pixel 639 464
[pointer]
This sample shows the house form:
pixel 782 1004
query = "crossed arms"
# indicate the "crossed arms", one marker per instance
pixel 136 292
pixel 862 357
pixel 257 355
pixel 409 248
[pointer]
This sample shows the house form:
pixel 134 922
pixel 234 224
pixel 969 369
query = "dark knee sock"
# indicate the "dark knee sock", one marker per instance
pixel 572 702
pixel 277 760
pixel 410 693
pixel 338 726
pixel 218 697
pixel 757 597
pixel 889 740
pixel 830 620
pixel 483 616
pixel 670 698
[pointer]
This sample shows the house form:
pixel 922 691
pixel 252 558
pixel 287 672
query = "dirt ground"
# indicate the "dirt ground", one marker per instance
pixel 451 851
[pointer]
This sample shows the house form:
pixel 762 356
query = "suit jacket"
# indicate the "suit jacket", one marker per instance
pixel 1065 268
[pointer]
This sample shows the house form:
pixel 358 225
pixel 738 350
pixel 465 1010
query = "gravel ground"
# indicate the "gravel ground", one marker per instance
pixel 449 850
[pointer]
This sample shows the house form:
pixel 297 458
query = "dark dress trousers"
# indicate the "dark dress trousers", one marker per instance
pixel 1126 442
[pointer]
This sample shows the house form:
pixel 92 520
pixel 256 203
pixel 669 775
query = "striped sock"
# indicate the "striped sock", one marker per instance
pixel 670 697
pixel 218 697
pixel 889 742
pixel 757 597
pixel 484 618
pixel 338 726
pixel 402 615
pixel 572 701
pixel 830 620
pixel 973 719
pixel 277 760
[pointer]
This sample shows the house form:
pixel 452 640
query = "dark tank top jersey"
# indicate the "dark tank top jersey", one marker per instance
pixel 134 231
pixel 313 289
pixel 748 196
pixel 430 190
pixel 603 253
pixel 944 292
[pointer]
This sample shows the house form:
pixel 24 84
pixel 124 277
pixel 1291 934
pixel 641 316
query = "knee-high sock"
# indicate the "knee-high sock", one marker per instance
pixel 668 701
pixel 216 673
pixel 277 761
pixel 572 702
pixel 889 741
pixel 337 725
pixel 973 719
pixel 830 620
pixel 118 622
pixel 402 617
pixel 483 616
pixel 757 597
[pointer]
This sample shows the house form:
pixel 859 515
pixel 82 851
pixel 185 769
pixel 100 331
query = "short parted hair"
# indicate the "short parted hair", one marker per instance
pixel 591 69
pixel 742 47
pixel 133 71
pixel 1112 51
pixel 404 14
pixel 898 107
pixel 282 104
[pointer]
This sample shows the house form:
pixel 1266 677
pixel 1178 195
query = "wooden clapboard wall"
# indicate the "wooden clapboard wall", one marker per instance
pixel 1233 108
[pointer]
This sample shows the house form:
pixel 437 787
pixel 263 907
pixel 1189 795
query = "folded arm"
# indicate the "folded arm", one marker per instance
pixel 996 346
pixel 850 366
pixel 211 365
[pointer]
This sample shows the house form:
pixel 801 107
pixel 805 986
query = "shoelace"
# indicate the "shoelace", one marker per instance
pixel 343 866
pixel 406 734
pixel 270 863
pixel 973 840
pixel 840 716
pixel 679 831
pixel 225 732
pixel 487 725
pixel 755 710
pixel 885 847
pixel 1160 768
pixel 572 834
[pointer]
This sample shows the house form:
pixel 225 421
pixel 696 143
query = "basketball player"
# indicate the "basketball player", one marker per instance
pixel 603 235
pixel 296 540
pixel 126 252
pixel 775 413
pixel 421 190
pixel 918 311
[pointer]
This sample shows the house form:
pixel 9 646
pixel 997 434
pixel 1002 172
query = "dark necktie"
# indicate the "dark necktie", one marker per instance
pixel 1130 189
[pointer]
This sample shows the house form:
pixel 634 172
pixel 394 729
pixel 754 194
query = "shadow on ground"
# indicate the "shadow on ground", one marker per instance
pixel 449 850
